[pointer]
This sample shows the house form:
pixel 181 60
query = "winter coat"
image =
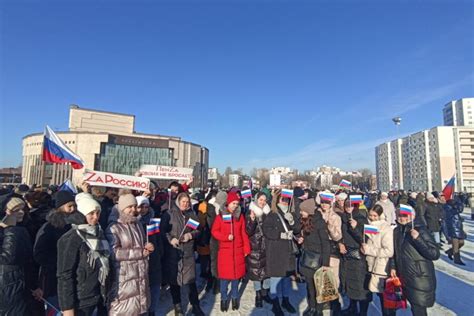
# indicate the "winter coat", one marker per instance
pixel 129 293
pixel 256 261
pixel 45 251
pixel 154 262
pixel 213 208
pixel 280 257
pixel 378 251
pixel 106 206
pixel 231 254
pixel 15 250
pixel 317 240
pixel 433 216
pixel 413 260
pixel 178 264
pixel 354 273
pixel 453 220
pixel 78 283
pixel 389 212
pixel 202 244
pixel 333 221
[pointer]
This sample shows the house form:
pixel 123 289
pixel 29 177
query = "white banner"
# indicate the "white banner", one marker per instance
pixel 275 180
pixel 113 180
pixel 166 172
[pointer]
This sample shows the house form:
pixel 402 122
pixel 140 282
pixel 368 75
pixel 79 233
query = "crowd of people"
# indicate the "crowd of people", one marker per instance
pixel 90 253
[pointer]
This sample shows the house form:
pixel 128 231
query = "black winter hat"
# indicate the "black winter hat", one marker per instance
pixel 298 192
pixel 63 197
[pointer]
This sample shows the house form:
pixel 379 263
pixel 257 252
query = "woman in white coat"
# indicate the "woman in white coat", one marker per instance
pixel 378 250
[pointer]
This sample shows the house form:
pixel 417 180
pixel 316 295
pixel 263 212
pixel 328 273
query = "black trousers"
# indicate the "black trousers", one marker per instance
pixel 86 311
pixel 193 294
pixel 417 310
pixel 310 287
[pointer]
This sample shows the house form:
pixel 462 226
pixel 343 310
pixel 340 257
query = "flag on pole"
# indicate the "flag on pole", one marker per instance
pixel 345 184
pixel 246 194
pixel 193 224
pixel 449 189
pixel 227 217
pixel 326 196
pixel 355 199
pixel 406 210
pixel 55 151
pixel 371 230
pixel 287 193
pixel 68 186
pixel 152 229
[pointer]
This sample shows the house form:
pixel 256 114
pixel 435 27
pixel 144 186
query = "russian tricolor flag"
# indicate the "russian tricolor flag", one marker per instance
pixel 449 189
pixel 345 184
pixel 193 224
pixel 246 194
pixel 227 217
pixel 55 151
pixel 355 199
pixel 326 196
pixel 68 186
pixel 152 229
pixel 287 193
pixel 371 230
pixel 406 210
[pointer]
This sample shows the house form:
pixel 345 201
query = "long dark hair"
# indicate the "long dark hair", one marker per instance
pixel 307 224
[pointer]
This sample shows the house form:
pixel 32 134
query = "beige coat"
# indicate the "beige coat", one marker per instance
pixel 130 293
pixel 334 224
pixel 378 251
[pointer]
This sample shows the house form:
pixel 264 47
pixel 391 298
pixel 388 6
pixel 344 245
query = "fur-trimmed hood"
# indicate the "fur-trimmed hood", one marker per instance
pixel 259 212
pixel 235 215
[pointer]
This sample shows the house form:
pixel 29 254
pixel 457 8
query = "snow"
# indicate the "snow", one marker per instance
pixel 454 294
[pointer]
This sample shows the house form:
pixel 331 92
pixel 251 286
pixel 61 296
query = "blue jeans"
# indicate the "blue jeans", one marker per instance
pixel 155 297
pixel 436 236
pixel 280 287
pixel 259 285
pixel 234 289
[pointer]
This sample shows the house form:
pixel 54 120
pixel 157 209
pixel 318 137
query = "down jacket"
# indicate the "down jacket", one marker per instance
pixel 256 261
pixel 413 261
pixel 130 293
pixel 15 249
pixel 453 220
pixel 433 216
pixel 378 251
pixel 231 254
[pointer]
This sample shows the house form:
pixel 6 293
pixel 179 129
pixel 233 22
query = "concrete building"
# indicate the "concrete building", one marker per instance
pixel 459 112
pixel 107 141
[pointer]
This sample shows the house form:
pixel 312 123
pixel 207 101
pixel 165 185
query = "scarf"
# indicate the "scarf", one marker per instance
pixel 98 248
pixel 285 209
pixel 259 212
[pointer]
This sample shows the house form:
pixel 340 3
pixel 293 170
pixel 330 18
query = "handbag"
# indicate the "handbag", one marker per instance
pixel 293 248
pixel 310 259
pixel 393 296
pixel 352 254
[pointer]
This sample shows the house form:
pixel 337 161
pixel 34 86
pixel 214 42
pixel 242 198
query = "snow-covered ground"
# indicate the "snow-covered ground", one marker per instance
pixel 454 296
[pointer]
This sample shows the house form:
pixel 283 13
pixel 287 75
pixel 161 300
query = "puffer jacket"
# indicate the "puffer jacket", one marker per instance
pixel 378 251
pixel 333 221
pixel 231 253
pixel 389 212
pixel 413 260
pixel 433 216
pixel 15 249
pixel 256 261
pixel 453 220
pixel 179 264
pixel 129 293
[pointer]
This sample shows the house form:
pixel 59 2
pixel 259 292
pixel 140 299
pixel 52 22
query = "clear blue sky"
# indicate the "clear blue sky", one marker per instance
pixel 260 83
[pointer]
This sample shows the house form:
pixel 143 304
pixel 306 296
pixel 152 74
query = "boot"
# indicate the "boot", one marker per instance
pixel 319 310
pixel 276 309
pixel 209 285
pixel 449 252
pixel 197 311
pixel 287 305
pixel 266 297
pixel 457 259
pixel 309 311
pixel 178 310
pixel 151 314
pixel 351 310
pixel 217 287
pixel 258 299
pixel 336 308
pixel 235 304
pixel 224 305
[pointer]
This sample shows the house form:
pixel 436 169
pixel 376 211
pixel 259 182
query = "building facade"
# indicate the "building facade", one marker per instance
pixel 459 112
pixel 108 142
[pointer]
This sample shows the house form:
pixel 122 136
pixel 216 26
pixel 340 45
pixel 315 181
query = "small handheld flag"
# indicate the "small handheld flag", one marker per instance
pixel 193 224
pixel 371 230
pixel 345 184
pixel 449 189
pixel 227 217
pixel 246 194
pixel 55 151
pixel 68 186
pixel 326 196
pixel 287 193
pixel 152 229
pixel 355 199
pixel 406 210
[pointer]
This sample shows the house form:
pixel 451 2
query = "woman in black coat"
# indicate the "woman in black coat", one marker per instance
pixel 454 229
pixel 415 250
pixel 15 250
pixel 316 242
pixel 83 262
pixel 280 229
pixel 354 274
pixel 256 261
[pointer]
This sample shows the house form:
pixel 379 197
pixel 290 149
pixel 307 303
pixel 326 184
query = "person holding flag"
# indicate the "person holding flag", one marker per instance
pixel 414 253
pixel 453 226
pixel 229 230
pixel 180 226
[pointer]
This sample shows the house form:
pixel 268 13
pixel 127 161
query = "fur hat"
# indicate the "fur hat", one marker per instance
pixel 63 197
pixel 231 197
pixel 384 194
pixel 125 201
pixel 298 192
pixel 142 200
pixel 341 196
pixel 86 203
pixel 308 206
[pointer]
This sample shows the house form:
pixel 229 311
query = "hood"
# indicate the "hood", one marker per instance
pixel 221 198
pixel 259 211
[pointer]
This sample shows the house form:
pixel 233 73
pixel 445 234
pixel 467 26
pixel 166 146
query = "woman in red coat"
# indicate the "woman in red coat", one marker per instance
pixel 229 230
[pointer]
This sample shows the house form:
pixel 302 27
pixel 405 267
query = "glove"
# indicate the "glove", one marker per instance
pixel 174 242
pixel 289 218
